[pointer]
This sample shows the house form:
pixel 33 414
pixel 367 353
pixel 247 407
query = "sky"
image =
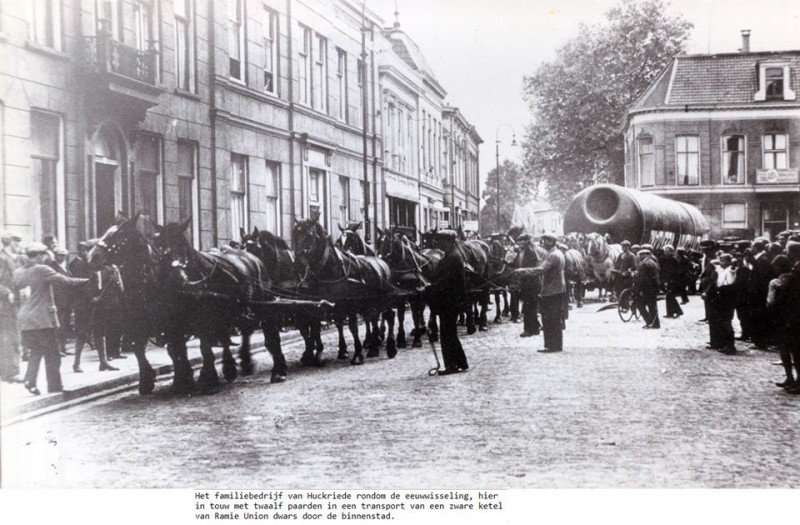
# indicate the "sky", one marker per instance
pixel 480 50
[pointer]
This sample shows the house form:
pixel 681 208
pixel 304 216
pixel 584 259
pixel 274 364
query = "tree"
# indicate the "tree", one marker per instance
pixel 579 100
pixel 516 188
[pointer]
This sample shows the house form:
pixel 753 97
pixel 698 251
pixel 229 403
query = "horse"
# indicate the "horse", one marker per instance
pixel 125 247
pixel 574 274
pixel 210 294
pixel 411 270
pixel 502 256
pixel 600 258
pixel 357 284
pixel 352 242
pixel 279 258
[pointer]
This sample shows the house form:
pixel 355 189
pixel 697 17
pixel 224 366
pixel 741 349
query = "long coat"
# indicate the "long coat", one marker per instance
pixel 39 310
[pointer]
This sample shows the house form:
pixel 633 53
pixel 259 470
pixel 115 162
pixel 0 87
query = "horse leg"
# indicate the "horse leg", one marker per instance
pixel 371 338
pixel 183 381
pixel 418 319
pixel 342 343
pixel 483 324
pixel 391 347
pixel 498 312
pixel 272 340
pixel 506 306
pixel 229 371
pixel 358 356
pixel 401 318
pixel 147 376
pixel 304 325
pixel 471 328
pixel 433 327
pixel 209 379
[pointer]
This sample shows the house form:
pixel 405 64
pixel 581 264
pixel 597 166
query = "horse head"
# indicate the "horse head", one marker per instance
pixel 121 245
pixel 175 248
pixel 310 241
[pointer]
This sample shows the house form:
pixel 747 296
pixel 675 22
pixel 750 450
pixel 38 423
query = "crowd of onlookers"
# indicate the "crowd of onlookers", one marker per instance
pixel 46 300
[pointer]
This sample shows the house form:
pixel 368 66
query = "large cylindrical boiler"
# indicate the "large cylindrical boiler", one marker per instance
pixel 638 217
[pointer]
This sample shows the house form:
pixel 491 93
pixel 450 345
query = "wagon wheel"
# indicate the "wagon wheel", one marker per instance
pixel 625 306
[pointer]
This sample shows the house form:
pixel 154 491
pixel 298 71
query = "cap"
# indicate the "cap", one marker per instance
pixel 793 249
pixel 625 243
pixel 647 247
pixel 725 257
pixel 525 237
pixel 60 251
pixel 635 248
pixel 680 249
pixel 8 236
pixel 669 248
pixel 761 241
pixel 446 235
pixel 644 251
pixel 548 237
pixel 35 248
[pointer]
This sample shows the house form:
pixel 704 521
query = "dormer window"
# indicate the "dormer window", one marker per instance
pixel 774 82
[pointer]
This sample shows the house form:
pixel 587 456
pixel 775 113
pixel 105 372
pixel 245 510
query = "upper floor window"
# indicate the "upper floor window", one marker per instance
pixel 305 66
pixel 47 170
pixel 647 172
pixel 271 191
pixel 149 178
pixel 270 28
pixel 184 45
pixel 776 152
pixel 46 23
pixel 341 81
pixel 774 82
pixel 733 159
pixel 238 194
pixel 108 22
pixel 361 74
pixel 188 205
pixel 320 73
pixel 236 39
pixel 344 200
pixel 687 160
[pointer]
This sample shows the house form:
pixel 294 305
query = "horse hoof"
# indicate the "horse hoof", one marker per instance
pixel 391 351
pixel 372 352
pixel 248 369
pixel 343 355
pixel 277 378
pixel 307 360
pixel 416 344
pixel 498 321
pixel 471 330
pixel 402 344
pixel 147 382
pixel 181 389
pixel 357 360
pixel 483 328
pixel 229 372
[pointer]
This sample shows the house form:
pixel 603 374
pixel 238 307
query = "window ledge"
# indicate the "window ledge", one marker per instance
pixel 49 51
pixel 187 94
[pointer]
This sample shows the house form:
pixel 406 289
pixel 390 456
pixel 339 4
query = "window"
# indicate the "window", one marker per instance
pixel 148 162
pixel 143 24
pixel 774 83
pixel 47 176
pixel 271 193
pixel 341 81
pixel 305 66
pixel 320 74
pixel 734 215
pixel 344 200
pixel 687 160
pixel 238 194
pixel 236 40
pixel 314 183
pixel 647 172
pixel 46 23
pixel 362 75
pixel 107 18
pixel 184 46
pixel 733 160
pixel 364 196
pixel 775 152
pixel 187 188
pixel 270 28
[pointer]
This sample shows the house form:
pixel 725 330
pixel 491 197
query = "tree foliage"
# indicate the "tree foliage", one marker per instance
pixel 579 99
pixel 516 188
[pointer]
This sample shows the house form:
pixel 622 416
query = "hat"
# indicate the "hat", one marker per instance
pixel 35 248
pixel 669 248
pixel 8 236
pixel 446 235
pixel 625 243
pixel 548 237
pixel 793 249
pixel 644 251
pixel 761 241
pixel 636 247
pixel 648 247
pixel 725 257
pixel 680 249
pixel 60 251
pixel 525 237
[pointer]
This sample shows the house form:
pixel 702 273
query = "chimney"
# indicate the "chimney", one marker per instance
pixel 745 41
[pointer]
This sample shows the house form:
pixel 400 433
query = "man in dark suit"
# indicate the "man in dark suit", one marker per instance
pixel 529 288
pixel 757 289
pixel 647 286
pixel 63 297
pixel 673 281
pixel 551 296
pixel 624 268
pixel 82 302
pixel 445 295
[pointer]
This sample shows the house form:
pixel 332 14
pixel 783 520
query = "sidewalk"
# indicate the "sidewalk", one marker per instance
pixel 17 403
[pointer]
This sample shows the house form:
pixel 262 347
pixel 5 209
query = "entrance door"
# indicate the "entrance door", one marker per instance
pixel 104 196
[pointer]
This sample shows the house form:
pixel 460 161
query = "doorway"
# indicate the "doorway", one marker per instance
pixel 105 196
pixel 774 219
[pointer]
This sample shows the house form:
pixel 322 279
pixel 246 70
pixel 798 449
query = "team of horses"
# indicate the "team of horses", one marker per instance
pixel 172 292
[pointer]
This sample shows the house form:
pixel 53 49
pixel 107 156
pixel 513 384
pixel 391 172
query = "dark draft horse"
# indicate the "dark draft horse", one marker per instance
pixel 356 284
pixel 411 270
pixel 280 260
pixel 128 249
pixel 209 294
pixel 502 259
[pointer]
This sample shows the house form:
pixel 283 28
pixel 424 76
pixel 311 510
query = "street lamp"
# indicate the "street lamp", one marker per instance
pixel 497 160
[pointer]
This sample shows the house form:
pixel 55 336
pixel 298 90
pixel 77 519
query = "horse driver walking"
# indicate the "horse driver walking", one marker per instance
pixel 445 295
pixel 553 288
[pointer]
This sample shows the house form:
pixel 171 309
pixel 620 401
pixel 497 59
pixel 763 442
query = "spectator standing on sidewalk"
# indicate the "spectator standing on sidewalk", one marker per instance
pixel 63 298
pixel 82 303
pixel 722 295
pixel 673 282
pixel 529 288
pixel 647 285
pixel 551 296
pixel 777 307
pixel 757 289
pixel 38 317
pixel 9 335
pixel 791 323
pixel 106 328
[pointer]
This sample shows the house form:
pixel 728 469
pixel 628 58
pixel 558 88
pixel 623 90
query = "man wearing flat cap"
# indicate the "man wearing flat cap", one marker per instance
pixel 9 335
pixel 647 285
pixel 529 288
pixel 757 290
pixel 38 317
pixel 624 268
pixel 446 295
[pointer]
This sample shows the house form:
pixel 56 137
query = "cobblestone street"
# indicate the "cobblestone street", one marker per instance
pixel 620 407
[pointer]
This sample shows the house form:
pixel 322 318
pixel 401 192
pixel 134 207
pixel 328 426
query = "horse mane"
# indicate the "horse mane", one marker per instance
pixel 267 237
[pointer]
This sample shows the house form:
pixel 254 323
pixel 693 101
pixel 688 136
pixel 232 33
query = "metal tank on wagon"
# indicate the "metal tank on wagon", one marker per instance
pixel 641 218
